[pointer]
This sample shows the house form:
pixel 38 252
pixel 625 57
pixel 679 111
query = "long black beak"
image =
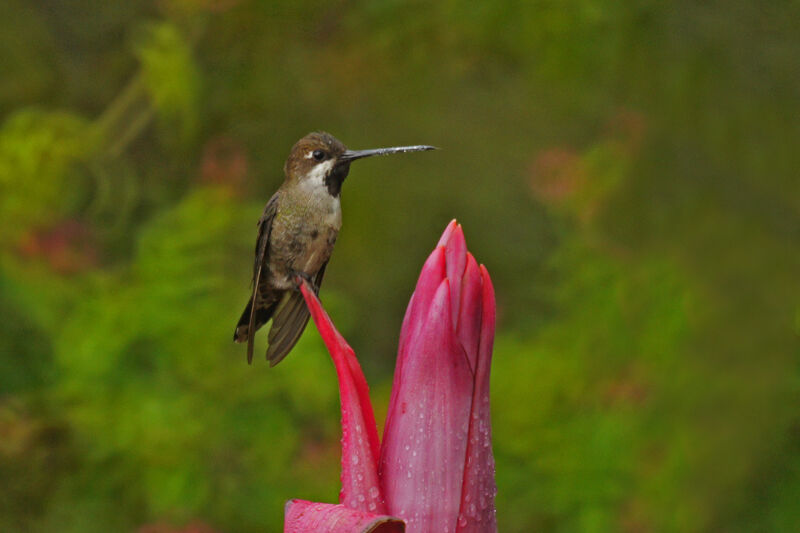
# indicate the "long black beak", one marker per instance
pixel 352 155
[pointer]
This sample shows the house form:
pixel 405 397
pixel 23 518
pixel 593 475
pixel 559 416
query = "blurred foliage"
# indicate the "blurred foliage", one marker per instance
pixel 170 76
pixel 627 172
pixel 38 151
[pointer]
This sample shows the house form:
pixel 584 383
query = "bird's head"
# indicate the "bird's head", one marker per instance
pixel 320 159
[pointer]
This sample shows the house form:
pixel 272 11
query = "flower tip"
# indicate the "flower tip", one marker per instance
pixel 456 259
pixel 457 239
pixel 447 232
pixel 487 280
pixel 489 303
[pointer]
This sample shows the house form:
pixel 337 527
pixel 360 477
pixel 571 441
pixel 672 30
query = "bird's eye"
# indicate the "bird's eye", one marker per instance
pixel 319 155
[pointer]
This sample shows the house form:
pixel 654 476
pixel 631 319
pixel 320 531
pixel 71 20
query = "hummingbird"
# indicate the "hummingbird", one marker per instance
pixel 296 235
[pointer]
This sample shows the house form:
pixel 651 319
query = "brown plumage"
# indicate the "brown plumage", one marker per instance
pixel 296 235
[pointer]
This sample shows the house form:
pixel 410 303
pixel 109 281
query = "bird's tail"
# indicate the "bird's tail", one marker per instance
pixel 288 322
pixel 289 316
pixel 262 315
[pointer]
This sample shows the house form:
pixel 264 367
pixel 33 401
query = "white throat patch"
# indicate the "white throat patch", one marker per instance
pixel 316 178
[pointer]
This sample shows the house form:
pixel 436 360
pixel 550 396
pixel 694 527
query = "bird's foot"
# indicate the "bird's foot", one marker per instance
pixel 298 278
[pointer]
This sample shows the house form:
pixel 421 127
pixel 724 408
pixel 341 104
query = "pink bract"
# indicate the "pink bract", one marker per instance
pixel 434 468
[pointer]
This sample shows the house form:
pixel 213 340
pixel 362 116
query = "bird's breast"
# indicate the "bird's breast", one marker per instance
pixel 303 234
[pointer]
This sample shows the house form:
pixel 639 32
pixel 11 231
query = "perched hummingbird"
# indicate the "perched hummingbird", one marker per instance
pixel 296 235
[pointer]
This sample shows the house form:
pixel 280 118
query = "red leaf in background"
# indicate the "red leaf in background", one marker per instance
pixel 67 246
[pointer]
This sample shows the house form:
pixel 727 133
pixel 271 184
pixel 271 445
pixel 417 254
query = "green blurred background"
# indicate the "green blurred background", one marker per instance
pixel 628 172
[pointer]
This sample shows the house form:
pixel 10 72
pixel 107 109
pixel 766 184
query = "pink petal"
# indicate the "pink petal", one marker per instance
pixel 305 517
pixel 424 442
pixel 433 272
pixel 447 232
pixel 455 248
pixel 477 513
pixel 469 314
pixel 360 448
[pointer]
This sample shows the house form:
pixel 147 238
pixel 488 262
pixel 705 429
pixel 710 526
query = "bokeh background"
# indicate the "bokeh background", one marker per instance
pixel 628 172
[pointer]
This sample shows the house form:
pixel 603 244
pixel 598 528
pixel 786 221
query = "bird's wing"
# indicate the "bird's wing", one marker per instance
pixel 289 321
pixel 262 248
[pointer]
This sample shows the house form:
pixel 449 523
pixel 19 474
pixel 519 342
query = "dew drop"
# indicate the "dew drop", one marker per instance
pixel 373 492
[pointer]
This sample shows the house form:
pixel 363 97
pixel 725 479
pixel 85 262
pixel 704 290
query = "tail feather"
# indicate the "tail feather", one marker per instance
pixel 262 316
pixel 289 314
pixel 288 323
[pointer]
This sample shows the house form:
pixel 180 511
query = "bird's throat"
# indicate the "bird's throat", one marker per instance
pixel 335 178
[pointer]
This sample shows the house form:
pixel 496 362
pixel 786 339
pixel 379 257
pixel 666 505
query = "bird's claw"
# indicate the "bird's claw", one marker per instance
pixel 298 278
